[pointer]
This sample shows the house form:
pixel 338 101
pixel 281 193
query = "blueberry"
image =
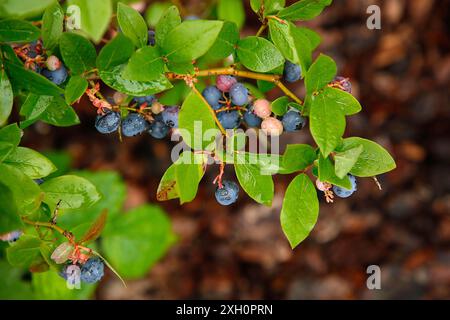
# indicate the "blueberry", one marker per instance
pixel 251 118
pixel 158 130
pixel 344 84
pixel 151 38
pixel 107 123
pixel 57 77
pixel 229 119
pixel 148 99
pixel 39 181
pixel 293 121
pixel 213 95
pixel 239 94
pixel 133 125
pixel 70 271
pixel 292 72
pixel 228 194
pixel 224 82
pixel 191 17
pixel 345 193
pixel 12 236
pixel 170 116
pixel 92 271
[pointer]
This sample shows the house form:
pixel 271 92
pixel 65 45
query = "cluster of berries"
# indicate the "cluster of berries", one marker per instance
pixel 36 59
pixel 90 272
pixel 148 115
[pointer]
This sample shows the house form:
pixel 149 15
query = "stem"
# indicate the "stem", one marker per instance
pixel 288 92
pixel 50 225
pixel 261 29
pixel 211 110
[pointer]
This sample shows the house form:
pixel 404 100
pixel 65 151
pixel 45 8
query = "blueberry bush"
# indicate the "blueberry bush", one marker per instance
pixel 171 74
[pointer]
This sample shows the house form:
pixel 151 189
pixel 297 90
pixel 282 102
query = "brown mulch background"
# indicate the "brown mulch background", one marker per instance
pixel 401 75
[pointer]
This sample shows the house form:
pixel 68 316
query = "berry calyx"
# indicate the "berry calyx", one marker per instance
pixel 293 121
pixel 228 193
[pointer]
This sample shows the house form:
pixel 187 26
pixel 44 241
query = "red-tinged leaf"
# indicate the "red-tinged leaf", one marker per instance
pixel 96 229
pixel 62 253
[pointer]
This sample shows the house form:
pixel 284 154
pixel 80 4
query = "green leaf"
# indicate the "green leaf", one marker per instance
pixel 168 187
pixel 167 22
pixel 343 100
pixel 280 105
pixel 224 44
pixel 115 80
pixel 11 134
pixel 194 120
pixel 33 107
pixel 154 12
pixel 136 240
pixel 78 53
pixel 26 192
pixel 314 38
pixel 270 6
pixel 373 160
pixel 265 86
pixel 24 251
pixel 5 149
pixel 132 25
pixel 115 53
pixel 327 173
pixel 31 81
pixel 297 157
pixel 304 9
pixel 190 40
pixel 52 26
pixel 51 286
pixel 300 209
pixel 59 114
pixel 344 161
pixel 327 123
pixel 75 89
pixel 9 215
pixel 291 42
pixel 95 17
pixel 259 54
pixel 12 285
pixel 23 8
pixel 13 30
pixel 257 185
pixel 31 163
pixel 181 68
pixel 321 72
pixel 112 189
pixel 6 98
pixel 146 64
pixel 188 173
pixel 71 191
pixel 231 10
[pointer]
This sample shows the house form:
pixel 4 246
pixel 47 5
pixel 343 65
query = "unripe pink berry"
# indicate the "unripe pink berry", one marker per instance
pixel 53 63
pixel 224 83
pixel 272 126
pixel 119 98
pixel 262 108
pixel 157 107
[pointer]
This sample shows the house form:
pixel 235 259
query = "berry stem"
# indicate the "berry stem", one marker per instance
pixel 50 225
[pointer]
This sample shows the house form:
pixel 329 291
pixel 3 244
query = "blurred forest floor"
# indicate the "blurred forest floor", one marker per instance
pixel 401 75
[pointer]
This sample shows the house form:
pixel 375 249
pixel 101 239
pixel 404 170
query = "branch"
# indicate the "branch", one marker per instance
pixel 52 226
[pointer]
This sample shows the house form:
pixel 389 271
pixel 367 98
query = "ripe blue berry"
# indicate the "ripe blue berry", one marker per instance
pixel 39 181
pixel 133 125
pixel 170 116
pixel 148 99
pixel 228 194
pixel 292 72
pixel 92 271
pixel 251 118
pixel 57 77
pixel 229 119
pixel 213 95
pixel 158 130
pixel 345 193
pixel 239 94
pixel 107 123
pixel 151 38
pixel 293 121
